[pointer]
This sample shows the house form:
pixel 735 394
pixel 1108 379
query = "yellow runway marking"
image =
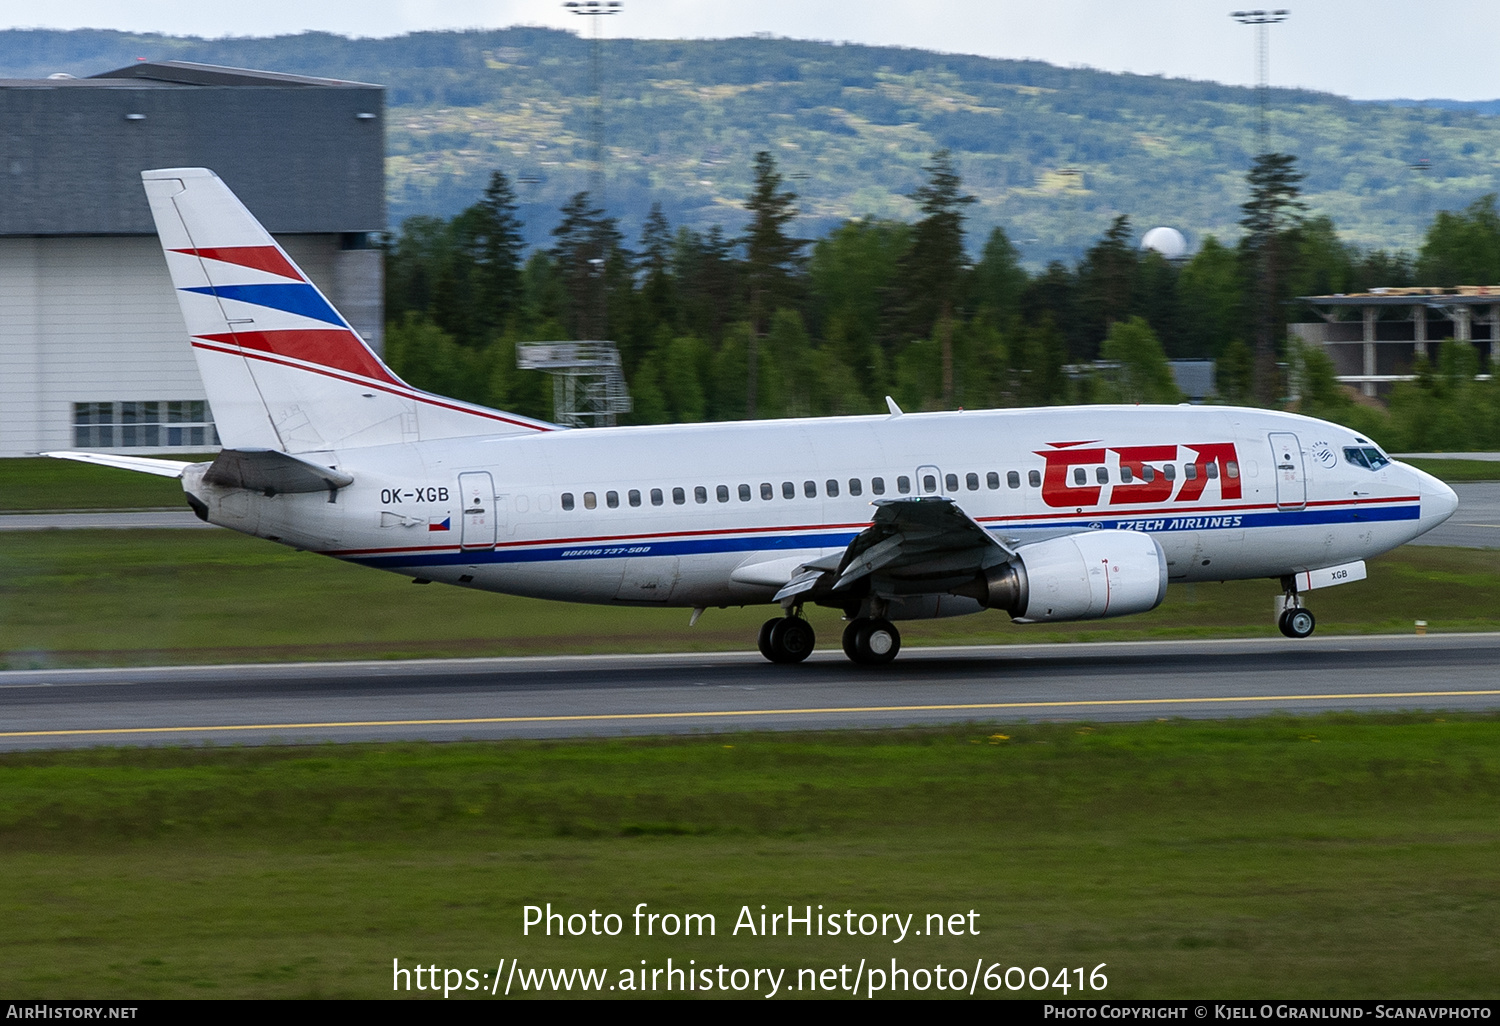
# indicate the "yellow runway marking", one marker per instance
pixel 720 713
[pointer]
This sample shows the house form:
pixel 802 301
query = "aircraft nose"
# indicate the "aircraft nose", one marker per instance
pixel 1438 501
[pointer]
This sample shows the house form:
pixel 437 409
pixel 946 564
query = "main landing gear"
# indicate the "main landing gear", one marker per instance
pixel 871 640
pixel 868 640
pixel 786 639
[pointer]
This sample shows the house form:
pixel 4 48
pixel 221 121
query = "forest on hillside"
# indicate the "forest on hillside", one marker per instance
pixel 764 323
pixel 1052 155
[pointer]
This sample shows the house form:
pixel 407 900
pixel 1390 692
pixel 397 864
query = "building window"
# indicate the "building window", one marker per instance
pixel 185 423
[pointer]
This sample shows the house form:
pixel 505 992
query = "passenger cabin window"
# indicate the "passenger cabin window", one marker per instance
pixel 1080 476
pixel 831 488
pixel 951 482
pixel 590 500
pixel 929 484
pixel 1148 474
pixel 1170 471
pixel 1012 480
pixel 766 492
pixel 678 496
pixel 1190 471
pixel 788 490
pixel 722 493
pixel 567 501
pixel 903 484
pixel 1126 475
pixel 810 489
pixel 877 486
pixel 656 497
pixel 612 500
pixel 1101 474
pixel 700 495
pixel 1034 478
pixel 1232 469
pixel 1212 470
pixel 854 486
pixel 744 493
pixel 634 495
pixel 972 482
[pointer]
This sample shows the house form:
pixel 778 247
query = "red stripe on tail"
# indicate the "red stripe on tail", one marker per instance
pixel 330 347
pixel 261 258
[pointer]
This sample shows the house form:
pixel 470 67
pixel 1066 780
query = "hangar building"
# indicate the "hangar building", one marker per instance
pixel 93 351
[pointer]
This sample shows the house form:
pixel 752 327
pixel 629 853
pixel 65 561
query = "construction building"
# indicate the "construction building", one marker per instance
pixel 93 351
pixel 1375 337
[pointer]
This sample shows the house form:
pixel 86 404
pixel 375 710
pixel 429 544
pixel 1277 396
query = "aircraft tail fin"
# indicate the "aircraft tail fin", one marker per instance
pixel 282 368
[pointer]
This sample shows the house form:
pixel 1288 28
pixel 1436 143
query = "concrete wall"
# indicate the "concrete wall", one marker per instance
pixel 95 319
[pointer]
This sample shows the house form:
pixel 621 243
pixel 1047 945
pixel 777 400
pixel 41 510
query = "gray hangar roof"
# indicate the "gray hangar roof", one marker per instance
pixel 304 154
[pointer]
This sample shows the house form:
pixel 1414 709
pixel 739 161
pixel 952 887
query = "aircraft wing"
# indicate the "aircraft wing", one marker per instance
pixel 917 544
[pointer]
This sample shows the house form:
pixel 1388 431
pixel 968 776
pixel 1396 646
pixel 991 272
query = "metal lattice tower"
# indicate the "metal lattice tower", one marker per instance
pixel 1262 20
pixel 588 383
pixel 594 10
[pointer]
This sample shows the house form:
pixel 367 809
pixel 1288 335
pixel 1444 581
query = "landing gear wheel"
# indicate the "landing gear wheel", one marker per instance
pixel 791 640
pixel 871 641
pixel 1297 623
pixel 764 641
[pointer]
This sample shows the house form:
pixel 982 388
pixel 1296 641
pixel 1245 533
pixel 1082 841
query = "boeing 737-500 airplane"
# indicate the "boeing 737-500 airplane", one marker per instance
pixel 1044 514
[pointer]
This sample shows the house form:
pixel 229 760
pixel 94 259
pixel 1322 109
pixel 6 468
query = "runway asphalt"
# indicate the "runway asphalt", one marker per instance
pixel 442 700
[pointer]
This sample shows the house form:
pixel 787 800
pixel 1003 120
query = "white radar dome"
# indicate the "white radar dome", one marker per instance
pixel 1166 241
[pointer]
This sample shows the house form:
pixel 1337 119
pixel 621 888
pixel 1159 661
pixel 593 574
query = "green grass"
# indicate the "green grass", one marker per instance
pixel 89 598
pixel 40 484
pixel 1453 471
pixel 1333 856
pixel 45 484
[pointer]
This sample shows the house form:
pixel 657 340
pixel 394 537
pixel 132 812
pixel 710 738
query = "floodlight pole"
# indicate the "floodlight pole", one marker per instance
pixel 594 10
pixel 1262 20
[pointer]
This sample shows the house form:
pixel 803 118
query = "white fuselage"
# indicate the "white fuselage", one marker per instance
pixel 722 514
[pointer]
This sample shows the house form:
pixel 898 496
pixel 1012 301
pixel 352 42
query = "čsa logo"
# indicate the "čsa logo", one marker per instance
pixel 1146 474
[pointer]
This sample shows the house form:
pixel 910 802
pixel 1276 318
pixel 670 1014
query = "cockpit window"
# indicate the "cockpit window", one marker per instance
pixel 1365 456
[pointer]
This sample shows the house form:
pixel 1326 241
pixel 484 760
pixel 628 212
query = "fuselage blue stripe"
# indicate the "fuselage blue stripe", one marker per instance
pixel 635 548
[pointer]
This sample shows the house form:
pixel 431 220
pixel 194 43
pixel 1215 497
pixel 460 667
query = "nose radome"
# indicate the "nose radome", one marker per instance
pixel 1438 501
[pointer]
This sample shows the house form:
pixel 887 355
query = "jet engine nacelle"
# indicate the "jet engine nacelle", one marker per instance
pixel 1084 576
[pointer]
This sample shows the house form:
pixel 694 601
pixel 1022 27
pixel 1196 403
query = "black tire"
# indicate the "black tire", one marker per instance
pixel 878 642
pixel 792 640
pixel 764 641
pixel 1297 623
pixel 851 637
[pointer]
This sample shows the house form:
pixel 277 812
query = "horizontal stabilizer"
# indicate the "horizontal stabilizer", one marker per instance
pixel 273 472
pixel 141 464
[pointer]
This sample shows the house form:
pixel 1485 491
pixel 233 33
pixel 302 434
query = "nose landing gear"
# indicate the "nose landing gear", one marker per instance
pixel 1294 621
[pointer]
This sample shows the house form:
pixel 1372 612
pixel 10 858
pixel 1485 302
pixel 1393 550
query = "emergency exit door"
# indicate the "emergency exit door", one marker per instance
pixel 480 517
pixel 1291 480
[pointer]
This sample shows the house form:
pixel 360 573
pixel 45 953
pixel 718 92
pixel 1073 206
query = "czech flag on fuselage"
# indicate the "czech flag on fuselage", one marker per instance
pixel 440 525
